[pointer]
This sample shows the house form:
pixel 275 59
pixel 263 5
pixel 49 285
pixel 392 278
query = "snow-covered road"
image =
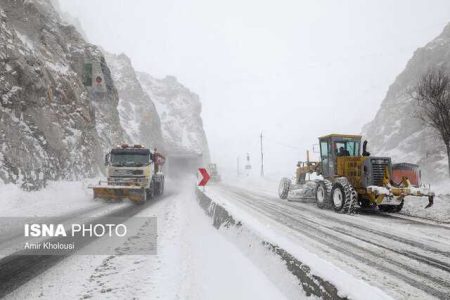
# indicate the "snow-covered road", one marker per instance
pixel 193 261
pixel 405 256
pixel 408 257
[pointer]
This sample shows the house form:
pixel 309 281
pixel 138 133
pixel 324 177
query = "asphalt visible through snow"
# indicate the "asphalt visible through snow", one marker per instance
pixel 16 269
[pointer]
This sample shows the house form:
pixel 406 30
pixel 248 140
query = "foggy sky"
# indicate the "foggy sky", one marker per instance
pixel 294 70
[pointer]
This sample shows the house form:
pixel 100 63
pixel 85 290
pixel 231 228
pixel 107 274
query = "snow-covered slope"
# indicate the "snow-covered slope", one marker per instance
pixel 179 110
pixel 395 131
pixel 138 114
pixel 51 125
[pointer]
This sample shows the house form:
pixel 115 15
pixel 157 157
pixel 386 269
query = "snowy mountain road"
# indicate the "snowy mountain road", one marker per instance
pixel 193 261
pixel 17 269
pixel 408 256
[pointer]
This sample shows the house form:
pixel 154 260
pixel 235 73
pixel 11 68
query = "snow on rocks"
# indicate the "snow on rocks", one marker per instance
pixel 138 115
pixel 179 110
pixel 50 122
pixel 396 131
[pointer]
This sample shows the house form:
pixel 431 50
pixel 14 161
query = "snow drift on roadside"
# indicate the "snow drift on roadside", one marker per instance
pixel 348 285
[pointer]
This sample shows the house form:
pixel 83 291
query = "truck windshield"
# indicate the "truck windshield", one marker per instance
pixel 129 160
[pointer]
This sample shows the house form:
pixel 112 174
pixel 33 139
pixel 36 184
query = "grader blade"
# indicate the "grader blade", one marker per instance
pixel 302 191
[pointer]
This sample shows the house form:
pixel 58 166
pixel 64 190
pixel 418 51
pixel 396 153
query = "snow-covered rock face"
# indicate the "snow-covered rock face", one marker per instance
pixel 179 110
pixel 138 114
pixel 395 131
pixel 51 125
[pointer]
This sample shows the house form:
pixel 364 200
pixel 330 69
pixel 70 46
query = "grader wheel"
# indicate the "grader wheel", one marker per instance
pixel 322 193
pixel 343 196
pixel 283 188
pixel 338 197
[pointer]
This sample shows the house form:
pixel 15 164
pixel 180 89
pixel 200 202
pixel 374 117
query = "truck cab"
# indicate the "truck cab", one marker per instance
pixel 129 165
pixel 133 172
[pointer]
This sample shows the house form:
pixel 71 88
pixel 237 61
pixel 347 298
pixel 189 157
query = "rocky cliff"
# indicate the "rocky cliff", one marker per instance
pixel 179 110
pixel 58 109
pixel 138 115
pixel 63 105
pixel 395 131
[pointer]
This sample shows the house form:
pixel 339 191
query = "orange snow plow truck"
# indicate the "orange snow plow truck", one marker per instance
pixel 133 172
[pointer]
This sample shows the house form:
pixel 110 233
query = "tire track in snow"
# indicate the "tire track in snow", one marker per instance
pixel 429 283
pixel 17 269
pixel 343 220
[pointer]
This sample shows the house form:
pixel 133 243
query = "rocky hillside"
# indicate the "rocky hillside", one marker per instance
pixel 56 120
pixel 138 115
pixel 395 131
pixel 179 110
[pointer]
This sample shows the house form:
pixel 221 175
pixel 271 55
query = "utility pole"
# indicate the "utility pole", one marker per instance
pixel 262 155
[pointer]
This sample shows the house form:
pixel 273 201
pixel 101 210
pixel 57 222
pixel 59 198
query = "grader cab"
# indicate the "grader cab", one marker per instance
pixel 351 178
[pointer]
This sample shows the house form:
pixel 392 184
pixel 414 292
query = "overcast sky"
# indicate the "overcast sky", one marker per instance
pixel 292 69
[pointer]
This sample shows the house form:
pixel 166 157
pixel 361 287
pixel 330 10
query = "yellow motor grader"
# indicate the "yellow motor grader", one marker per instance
pixel 348 178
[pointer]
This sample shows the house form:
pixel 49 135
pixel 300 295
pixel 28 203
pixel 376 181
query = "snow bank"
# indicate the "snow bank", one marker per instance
pixel 316 276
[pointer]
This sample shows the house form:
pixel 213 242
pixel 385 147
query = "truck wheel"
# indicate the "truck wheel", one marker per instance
pixel 283 188
pixel 156 187
pixel 321 194
pixel 161 187
pixel 144 197
pixel 151 192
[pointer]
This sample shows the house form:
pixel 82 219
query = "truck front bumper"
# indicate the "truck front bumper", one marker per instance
pixel 118 192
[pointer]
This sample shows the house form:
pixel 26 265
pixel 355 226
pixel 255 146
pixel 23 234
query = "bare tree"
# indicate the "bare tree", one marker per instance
pixel 432 94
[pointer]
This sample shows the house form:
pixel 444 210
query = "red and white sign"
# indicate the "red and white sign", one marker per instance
pixel 204 176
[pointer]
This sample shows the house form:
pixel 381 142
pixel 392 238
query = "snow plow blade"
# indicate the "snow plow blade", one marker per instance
pixel 133 193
